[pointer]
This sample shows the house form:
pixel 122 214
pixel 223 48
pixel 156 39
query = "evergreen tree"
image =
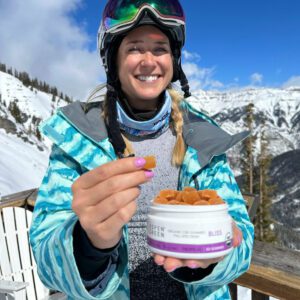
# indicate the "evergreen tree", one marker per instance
pixel 38 134
pixel 3 67
pixel 15 111
pixel 247 159
pixel 264 224
pixel 35 83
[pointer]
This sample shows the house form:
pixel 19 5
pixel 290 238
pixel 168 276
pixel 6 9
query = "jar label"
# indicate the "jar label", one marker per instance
pixel 187 248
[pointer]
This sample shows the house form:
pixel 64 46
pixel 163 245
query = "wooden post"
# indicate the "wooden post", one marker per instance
pixel 259 296
pixel 233 291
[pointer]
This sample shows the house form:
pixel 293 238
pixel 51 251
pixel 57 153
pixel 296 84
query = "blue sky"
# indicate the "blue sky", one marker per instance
pixel 230 44
pixel 236 38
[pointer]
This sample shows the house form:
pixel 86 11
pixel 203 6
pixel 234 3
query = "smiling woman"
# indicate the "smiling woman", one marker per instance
pixel 145 66
pixel 89 230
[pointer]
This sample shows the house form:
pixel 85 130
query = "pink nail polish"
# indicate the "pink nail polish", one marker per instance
pixel 149 174
pixel 193 266
pixel 172 269
pixel 139 162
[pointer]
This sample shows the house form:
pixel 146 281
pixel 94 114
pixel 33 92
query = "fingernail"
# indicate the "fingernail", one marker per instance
pixel 159 260
pixel 149 174
pixel 193 266
pixel 172 269
pixel 139 162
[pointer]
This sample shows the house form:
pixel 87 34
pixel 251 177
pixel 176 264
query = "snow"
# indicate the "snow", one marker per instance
pixel 22 165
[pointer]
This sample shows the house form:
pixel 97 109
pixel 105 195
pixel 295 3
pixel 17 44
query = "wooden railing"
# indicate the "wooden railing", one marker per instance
pixel 274 271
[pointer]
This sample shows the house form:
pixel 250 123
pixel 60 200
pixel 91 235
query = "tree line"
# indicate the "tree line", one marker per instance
pixel 35 83
pixel 255 170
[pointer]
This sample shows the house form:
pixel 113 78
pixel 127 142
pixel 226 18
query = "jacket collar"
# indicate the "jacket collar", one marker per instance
pixel 199 131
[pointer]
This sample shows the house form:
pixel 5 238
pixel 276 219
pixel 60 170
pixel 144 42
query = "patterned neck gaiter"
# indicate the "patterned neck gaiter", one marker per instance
pixel 154 127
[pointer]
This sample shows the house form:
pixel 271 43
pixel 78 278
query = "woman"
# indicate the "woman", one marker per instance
pixel 89 228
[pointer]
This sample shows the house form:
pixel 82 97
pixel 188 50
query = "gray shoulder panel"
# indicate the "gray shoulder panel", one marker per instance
pixel 87 118
pixel 208 139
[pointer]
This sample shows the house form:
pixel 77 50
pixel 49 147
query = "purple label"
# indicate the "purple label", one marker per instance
pixel 187 248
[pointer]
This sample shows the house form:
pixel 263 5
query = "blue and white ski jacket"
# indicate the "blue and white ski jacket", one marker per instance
pixel 80 144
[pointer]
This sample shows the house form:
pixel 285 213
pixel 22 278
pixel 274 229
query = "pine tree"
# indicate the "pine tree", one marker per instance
pixel 263 222
pixel 247 159
pixel 3 67
pixel 38 134
pixel 15 111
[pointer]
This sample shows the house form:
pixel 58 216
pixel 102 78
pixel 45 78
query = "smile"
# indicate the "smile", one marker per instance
pixel 150 78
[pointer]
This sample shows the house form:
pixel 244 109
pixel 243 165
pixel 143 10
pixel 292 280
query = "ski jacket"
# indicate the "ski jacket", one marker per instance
pixel 80 144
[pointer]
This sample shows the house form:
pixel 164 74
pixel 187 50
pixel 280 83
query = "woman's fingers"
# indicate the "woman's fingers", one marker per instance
pixel 159 259
pixel 118 220
pixel 114 185
pixel 109 206
pixel 202 263
pixel 103 235
pixel 170 263
pixel 237 235
pixel 108 170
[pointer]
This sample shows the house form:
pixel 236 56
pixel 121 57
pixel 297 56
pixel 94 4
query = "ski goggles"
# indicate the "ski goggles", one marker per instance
pixel 121 14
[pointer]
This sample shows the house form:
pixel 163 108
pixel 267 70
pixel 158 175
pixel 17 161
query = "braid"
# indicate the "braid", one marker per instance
pixel 176 115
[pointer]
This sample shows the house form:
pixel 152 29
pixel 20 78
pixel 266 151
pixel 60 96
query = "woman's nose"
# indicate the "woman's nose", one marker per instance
pixel 148 59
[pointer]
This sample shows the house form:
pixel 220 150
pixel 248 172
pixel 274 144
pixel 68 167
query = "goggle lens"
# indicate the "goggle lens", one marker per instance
pixel 118 12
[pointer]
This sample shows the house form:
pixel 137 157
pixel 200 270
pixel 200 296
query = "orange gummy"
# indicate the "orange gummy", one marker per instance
pixel 161 200
pixel 217 200
pixel 201 202
pixel 190 197
pixel 179 196
pixel 150 162
pixel 208 194
pixel 168 194
pixel 174 202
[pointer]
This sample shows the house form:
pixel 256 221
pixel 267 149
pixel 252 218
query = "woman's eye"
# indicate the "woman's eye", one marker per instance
pixel 135 49
pixel 161 49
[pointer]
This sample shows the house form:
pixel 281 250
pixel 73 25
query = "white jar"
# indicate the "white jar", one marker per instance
pixel 189 231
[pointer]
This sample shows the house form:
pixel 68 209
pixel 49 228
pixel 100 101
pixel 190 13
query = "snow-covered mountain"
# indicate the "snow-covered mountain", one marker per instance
pixel 24 154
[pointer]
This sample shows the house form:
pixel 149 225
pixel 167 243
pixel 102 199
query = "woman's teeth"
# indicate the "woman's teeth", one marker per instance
pixel 148 78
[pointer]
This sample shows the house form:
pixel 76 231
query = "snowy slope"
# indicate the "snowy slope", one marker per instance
pixel 23 157
pixel 22 165
pixel 279 107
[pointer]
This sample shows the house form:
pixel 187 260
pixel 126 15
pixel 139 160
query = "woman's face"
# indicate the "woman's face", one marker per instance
pixel 145 66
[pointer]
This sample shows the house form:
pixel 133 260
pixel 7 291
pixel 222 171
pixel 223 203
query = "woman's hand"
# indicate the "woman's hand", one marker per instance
pixel 170 263
pixel 104 199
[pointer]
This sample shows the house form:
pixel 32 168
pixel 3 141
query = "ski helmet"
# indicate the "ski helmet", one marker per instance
pixel 121 16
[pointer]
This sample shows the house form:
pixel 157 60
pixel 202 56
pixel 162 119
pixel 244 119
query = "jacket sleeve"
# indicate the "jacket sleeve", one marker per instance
pixel 51 232
pixel 218 176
